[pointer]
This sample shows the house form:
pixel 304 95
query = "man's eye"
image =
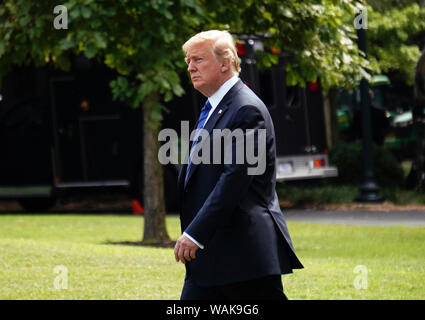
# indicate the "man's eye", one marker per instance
pixel 198 60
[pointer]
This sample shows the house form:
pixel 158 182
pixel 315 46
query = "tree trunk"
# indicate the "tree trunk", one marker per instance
pixel 416 177
pixel 331 117
pixel 155 231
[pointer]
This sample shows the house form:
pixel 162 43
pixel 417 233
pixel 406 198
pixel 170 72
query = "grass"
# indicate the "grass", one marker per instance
pixel 393 257
pixel 31 246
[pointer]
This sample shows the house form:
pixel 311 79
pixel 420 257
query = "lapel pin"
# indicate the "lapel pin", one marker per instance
pixel 220 111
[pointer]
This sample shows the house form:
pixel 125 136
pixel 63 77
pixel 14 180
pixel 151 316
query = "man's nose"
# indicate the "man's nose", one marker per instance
pixel 191 67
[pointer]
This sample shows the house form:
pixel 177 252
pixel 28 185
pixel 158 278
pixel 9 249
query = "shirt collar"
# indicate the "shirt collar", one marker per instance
pixel 216 98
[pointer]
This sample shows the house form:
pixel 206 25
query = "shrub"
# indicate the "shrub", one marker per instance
pixel 313 193
pixel 348 158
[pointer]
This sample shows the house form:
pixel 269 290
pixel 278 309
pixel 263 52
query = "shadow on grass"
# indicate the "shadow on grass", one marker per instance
pixel 164 244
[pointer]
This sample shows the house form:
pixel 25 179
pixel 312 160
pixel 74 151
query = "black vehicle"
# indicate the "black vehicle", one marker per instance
pixel 297 113
pixel 62 132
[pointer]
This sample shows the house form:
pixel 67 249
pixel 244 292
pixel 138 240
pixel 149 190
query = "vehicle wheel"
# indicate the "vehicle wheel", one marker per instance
pixel 37 204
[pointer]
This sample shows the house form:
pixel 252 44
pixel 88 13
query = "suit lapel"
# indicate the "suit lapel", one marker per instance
pixel 209 126
pixel 182 173
pixel 219 111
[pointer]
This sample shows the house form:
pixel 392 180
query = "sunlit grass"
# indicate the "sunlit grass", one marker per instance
pixel 32 246
pixel 393 258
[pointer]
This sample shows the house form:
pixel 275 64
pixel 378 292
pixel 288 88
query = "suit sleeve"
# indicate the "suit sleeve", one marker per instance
pixel 233 183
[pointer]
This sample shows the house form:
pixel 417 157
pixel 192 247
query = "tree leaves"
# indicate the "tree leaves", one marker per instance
pixel 86 12
pixel 142 40
pixel 391 34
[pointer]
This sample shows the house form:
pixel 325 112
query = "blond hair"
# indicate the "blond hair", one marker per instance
pixel 222 45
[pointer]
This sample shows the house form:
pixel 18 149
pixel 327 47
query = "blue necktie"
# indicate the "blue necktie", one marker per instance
pixel 201 121
pixel 204 115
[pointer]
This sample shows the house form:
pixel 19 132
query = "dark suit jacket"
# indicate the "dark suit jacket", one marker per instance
pixel 236 216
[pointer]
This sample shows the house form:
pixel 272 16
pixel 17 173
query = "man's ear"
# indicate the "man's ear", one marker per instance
pixel 225 65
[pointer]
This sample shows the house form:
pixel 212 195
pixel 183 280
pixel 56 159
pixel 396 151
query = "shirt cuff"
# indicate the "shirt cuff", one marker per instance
pixel 196 242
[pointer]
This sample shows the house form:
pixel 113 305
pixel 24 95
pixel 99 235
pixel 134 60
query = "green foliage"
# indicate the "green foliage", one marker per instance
pixel 403 197
pixel 382 5
pixel 393 35
pixel 348 159
pixel 310 193
pixel 319 33
pixel 142 40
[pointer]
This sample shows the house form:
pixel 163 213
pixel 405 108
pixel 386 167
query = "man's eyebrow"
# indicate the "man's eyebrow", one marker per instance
pixel 187 59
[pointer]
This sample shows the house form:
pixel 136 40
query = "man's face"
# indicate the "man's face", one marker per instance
pixel 204 68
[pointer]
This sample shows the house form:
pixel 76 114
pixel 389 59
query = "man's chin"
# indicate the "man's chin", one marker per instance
pixel 197 85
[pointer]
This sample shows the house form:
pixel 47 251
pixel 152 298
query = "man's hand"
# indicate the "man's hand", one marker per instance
pixel 185 249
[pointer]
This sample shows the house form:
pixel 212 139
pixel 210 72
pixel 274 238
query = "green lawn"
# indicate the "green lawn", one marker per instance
pixel 32 246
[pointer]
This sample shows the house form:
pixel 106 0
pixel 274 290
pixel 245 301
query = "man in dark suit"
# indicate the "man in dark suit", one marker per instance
pixel 235 242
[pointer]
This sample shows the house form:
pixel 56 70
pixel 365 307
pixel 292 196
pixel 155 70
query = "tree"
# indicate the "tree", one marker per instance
pixel 395 32
pixel 416 177
pixel 319 34
pixel 396 36
pixel 142 41
pixel 322 40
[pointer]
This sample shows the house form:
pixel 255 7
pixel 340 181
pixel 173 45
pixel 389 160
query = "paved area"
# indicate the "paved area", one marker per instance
pixel 375 218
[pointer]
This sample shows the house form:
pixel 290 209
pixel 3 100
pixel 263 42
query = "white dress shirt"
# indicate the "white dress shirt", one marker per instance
pixel 215 100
